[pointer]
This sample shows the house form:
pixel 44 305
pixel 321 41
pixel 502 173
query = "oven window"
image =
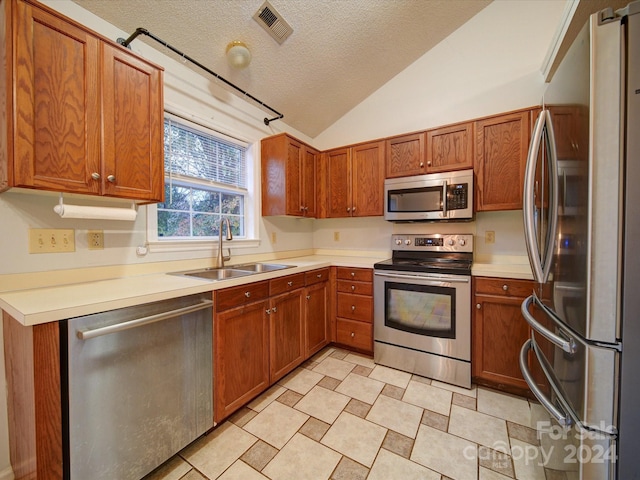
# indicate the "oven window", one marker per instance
pixel 421 309
pixel 426 199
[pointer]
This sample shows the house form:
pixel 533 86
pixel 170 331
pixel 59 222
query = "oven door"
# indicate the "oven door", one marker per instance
pixel 425 312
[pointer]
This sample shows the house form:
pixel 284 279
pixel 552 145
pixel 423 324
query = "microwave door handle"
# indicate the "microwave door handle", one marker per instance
pixel 528 201
pixel 444 199
pixel 553 197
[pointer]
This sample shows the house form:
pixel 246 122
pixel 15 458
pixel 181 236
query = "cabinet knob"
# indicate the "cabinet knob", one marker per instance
pixel 268 310
pixel 306 209
pixel 111 178
pixel 95 176
pixel 274 309
pixel 353 287
pixel 353 308
pixel 353 335
pixel 505 287
pixel 308 297
pixel 247 294
pixel 348 209
pixel 353 210
pixel 428 164
pixel 301 208
pixel 478 306
pixel 421 164
pixel 290 284
pixel 353 274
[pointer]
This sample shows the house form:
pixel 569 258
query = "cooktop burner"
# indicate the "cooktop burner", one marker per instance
pixel 430 253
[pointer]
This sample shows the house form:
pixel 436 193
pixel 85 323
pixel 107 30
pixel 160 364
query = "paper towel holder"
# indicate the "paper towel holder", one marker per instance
pixel 95 213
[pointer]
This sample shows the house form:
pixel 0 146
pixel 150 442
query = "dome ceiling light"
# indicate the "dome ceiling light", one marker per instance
pixel 238 54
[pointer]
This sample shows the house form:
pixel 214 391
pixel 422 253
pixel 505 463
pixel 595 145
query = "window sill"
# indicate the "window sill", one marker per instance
pixel 171 246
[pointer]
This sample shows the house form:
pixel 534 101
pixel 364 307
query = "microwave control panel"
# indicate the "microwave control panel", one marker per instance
pixel 457 196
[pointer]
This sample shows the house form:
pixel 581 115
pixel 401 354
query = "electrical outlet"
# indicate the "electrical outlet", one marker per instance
pixel 49 240
pixel 95 239
pixel 489 236
pixel 336 236
pixel 273 237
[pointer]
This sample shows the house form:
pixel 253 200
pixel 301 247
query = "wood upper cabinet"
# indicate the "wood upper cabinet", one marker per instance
pixel 406 155
pixel 353 180
pixel 571 131
pixel 502 144
pixel 88 114
pixel 450 148
pixel 288 177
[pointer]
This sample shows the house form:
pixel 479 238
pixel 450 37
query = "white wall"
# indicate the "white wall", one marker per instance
pixel 490 65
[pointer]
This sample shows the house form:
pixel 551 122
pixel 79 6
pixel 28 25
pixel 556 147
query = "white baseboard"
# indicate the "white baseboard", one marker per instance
pixel 6 474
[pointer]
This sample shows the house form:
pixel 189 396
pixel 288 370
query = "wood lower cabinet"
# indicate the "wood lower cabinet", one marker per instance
pixel 316 311
pixel 499 331
pixel 288 177
pixel 502 144
pixel 353 181
pixel 354 308
pixel 241 346
pixel 286 332
pixel 83 114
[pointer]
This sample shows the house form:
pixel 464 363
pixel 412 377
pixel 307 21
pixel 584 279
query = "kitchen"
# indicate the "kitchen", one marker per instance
pixel 502 84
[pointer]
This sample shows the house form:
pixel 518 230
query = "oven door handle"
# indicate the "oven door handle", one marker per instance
pixel 432 278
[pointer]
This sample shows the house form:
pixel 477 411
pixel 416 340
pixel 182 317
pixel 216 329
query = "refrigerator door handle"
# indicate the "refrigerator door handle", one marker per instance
pixel 568 345
pixel 562 418
pixel 528 202
pixel 553 197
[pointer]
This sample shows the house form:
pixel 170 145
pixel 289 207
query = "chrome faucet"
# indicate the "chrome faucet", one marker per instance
pixel 221 258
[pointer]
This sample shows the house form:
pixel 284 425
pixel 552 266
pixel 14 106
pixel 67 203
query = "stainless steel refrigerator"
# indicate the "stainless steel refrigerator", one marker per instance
pixel 582 229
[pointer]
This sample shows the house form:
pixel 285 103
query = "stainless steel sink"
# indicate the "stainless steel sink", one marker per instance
pixel 232 272
pixel 215 273
pixel 261 267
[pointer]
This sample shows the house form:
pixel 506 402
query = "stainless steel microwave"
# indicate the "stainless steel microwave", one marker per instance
pixel 430 197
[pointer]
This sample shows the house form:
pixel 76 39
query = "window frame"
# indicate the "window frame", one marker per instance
pixel 156 244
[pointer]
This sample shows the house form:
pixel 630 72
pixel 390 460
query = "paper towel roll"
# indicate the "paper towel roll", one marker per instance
pixel 98 213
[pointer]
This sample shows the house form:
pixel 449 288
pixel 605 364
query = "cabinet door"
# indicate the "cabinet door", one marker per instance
pixel 450 148
pixel 241 352
pixel 286 333
pixel 309 165
pixel 367 166
pixel 502 144
pixel 405 155
pixel 338 183
pixel 57 136
pixel 133 161
pixel 316 315
pixel 499 332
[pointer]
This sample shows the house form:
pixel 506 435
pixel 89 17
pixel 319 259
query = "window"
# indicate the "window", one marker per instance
pixel 205 181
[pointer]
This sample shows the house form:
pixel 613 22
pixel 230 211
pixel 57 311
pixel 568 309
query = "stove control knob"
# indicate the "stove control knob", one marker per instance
pixel 451 242
pixel 398 241
pixel 463 242
pixel 407 241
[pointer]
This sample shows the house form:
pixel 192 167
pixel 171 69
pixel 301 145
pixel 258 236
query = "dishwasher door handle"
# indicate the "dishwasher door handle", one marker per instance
pixel 139 322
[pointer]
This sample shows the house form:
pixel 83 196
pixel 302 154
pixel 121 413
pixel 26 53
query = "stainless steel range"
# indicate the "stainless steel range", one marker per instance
pixel 422 307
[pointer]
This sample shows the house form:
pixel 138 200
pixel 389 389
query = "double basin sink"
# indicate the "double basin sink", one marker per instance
pixel 224 273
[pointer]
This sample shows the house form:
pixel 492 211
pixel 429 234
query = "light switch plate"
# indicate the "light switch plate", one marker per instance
pixel 50 240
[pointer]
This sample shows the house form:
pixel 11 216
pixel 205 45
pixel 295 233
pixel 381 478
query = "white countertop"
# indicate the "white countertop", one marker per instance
pixel 48 304
pixel 52 303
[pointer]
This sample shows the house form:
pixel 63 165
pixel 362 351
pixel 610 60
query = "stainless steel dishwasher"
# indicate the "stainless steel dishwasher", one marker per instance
pixel 138 384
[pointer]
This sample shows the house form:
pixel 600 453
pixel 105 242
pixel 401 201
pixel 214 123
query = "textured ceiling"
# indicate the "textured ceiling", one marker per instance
pixel 339 53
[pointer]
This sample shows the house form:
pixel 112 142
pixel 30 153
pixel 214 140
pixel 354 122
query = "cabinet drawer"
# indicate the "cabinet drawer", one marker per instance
pixel 355 334
pixel 240 295
pixel 358 274
pixel 286 284
pixel 359 288
pixel 316 276
pixel 504 286
pixel 355 307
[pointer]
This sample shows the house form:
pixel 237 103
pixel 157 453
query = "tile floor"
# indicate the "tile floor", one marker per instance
pixel 342 417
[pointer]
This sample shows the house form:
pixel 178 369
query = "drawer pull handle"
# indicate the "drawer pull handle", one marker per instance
pixel 505 287
pixel 353 274
pixel 353 308
pixel 319 275
pixel 353 335
pixel 290 284
pixel 353 287
pixel 247 294
pixel 478 306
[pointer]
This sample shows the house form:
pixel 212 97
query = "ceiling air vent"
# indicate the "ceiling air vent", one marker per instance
pixel 273 22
